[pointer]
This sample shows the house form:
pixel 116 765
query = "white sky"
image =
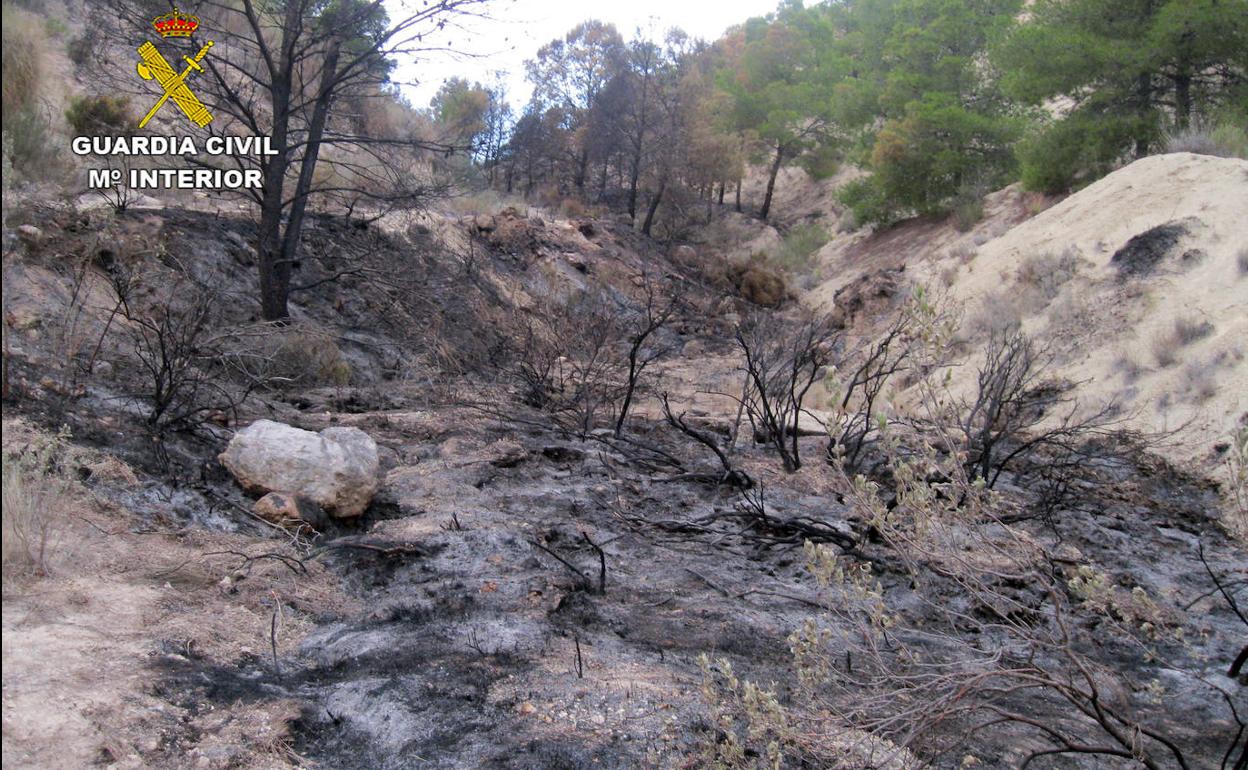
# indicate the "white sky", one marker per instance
pixel 519 27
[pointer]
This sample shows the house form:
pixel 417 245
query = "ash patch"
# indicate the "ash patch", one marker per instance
pixel 1143 253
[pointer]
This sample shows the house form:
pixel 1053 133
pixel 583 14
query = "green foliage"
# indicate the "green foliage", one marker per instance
pixel 967 214
pixel 27 148
pixel 1080 148
pixel 925 160
pixel 822 162
pixel 460 108
pixel 1128 66
pixel 918 64
pixel 799 245
pixel 571 72
pixel 82 49
pixel 99 115
pixel 778 77
pixel 868 201
pixel 363 26
pixel 55 27
pixel 933 48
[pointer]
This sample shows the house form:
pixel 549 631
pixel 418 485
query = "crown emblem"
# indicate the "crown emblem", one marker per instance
pixel 176 24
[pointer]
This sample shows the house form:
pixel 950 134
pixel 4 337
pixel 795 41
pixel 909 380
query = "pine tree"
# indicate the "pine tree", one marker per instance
pixel 779 76
pixel 947 130
pixel 1118 72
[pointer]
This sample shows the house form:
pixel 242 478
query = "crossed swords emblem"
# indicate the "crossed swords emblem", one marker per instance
pixel 174 84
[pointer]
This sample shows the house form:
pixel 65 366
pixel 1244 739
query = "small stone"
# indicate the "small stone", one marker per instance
pixel 22 320
pixel 290 510
pixel 30 235
pixel 505 453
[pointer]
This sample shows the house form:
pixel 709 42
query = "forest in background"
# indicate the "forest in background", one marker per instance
pixel 928 104
pixel 942 101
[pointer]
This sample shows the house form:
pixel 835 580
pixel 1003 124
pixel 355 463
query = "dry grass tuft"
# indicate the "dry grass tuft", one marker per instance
pixel 997 313
pixel 1047 273
pixel 36 497
pixel 1129 368
pixel 571 208
pixel 1166 347
pixel 24 42
pixel 1236 490
pixel 964 252
pixel 1224 140
pixel 1201 380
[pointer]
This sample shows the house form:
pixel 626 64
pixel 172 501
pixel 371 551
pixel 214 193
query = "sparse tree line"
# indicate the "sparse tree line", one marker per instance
pixel 941 100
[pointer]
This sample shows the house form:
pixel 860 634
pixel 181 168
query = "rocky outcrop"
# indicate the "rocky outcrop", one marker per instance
pixel 337 468
pixel 872 295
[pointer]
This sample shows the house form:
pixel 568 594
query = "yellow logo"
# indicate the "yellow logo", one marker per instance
pixel 154 66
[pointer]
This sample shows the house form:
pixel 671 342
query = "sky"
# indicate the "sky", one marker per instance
pixel 517 28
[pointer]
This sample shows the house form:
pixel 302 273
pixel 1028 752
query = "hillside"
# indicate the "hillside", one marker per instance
pixel 458 619
pixel 1141 283
pixel 807 398
pixel 1156 327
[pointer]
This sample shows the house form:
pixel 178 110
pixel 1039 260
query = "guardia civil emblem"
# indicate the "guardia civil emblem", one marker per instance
pixel 155 67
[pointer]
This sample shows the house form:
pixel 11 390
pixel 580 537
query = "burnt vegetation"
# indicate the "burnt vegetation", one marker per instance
pixel 602 456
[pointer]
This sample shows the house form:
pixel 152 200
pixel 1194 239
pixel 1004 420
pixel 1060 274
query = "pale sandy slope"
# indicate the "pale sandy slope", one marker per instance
pixel 1117 337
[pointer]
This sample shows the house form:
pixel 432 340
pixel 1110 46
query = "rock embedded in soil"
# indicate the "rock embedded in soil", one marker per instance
pixel 290 510
pixel 30 235
pixel 337 469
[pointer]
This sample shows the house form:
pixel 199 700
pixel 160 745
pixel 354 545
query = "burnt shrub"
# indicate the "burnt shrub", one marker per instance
pixel 1141 255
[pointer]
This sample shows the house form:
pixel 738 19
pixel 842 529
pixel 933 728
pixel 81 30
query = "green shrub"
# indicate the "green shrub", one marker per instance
pixel 868 202
pixel 82 49
pixel 799 245
pixel 55 27
pixel 822 163
pixel 1233 139
pixel 27 148
pixel 99 115
pixel 1079 149
pixel 967 214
